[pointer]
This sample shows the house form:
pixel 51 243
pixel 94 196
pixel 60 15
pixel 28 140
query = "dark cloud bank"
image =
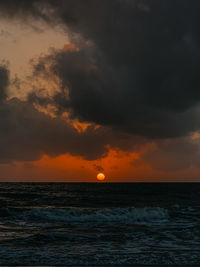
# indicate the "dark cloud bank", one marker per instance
pixel 135 70
pixel 26 134
pixel 140 73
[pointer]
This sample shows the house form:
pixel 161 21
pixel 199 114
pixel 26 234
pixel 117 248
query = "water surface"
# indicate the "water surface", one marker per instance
pixel 99 224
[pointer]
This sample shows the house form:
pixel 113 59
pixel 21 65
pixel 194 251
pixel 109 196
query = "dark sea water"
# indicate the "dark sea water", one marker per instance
pixel 99 224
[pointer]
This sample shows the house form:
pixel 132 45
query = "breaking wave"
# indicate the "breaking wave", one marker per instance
pixel 123 215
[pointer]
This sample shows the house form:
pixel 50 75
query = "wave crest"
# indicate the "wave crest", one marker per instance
pixel 123 215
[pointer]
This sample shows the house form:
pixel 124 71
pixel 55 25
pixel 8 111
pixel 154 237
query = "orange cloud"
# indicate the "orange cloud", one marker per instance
pixel 70 47
pixel 118 166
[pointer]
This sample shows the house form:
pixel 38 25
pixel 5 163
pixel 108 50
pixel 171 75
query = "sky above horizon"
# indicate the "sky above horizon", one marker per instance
pixel 100 86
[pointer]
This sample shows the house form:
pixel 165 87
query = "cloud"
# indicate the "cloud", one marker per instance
pixel 22 9
pixel 26 133
pixel 98 168
pixel 94 91
pixel 70 47
pixel 135 67
pixel 4 81
pixel 174 154
pixel 132 67
pixel 4 33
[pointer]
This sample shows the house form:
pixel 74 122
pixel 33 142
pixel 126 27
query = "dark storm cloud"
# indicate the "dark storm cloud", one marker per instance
pixel 26 134
pixel 22 9
pixel 137 67
pixel 101 93
pixel 98 168
pixel 174 155
pixel 135 70
pixel 4 81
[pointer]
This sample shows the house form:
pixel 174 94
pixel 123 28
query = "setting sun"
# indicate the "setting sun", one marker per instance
pixel 100 176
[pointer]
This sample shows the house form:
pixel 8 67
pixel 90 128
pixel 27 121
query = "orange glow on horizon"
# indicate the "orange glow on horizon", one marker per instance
pixel 118 165
pixel 68 168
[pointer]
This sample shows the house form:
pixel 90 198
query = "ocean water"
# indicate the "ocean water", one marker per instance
pixel 81 224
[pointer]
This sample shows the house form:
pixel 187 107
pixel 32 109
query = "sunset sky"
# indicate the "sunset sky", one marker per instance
pixel 89 86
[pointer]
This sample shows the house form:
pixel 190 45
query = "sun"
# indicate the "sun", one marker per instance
pixel 101 176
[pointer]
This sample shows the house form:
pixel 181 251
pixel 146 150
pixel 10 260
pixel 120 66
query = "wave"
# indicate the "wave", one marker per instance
pixel 69 215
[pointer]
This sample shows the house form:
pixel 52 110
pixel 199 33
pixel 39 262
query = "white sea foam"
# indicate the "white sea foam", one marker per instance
pixel 124 215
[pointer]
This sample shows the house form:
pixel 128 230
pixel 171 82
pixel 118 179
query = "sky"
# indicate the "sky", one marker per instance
pixel 99 86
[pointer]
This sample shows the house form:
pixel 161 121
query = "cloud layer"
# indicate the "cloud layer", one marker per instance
pixel 136 66
pixel 132 67
pixel 26 133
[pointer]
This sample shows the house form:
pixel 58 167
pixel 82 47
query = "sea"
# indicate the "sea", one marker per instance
pixel 99 224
